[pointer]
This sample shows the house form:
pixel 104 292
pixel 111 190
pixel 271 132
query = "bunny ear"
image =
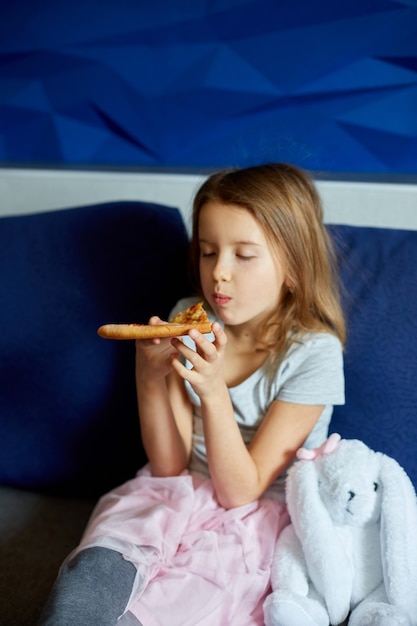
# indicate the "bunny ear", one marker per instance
pixel 327 561
pixel 399 536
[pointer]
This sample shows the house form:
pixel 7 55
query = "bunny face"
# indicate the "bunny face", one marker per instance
pixel 349 484
pixel 353 531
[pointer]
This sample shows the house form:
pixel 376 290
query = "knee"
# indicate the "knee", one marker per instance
pixel 99 563
pixel 92 588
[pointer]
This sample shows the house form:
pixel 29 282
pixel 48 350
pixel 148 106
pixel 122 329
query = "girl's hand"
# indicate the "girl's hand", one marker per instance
pixel 207 372
pixel 154 356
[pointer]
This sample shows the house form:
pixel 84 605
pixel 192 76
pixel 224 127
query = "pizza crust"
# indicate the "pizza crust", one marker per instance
pixel 193 317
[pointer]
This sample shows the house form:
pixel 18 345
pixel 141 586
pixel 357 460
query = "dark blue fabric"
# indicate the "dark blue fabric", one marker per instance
pixel 68 417
pixel 379 271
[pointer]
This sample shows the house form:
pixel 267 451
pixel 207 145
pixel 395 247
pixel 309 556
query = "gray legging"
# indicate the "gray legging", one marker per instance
pixel 92 589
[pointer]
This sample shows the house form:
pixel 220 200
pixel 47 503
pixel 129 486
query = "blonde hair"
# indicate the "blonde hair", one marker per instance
pixel 285 202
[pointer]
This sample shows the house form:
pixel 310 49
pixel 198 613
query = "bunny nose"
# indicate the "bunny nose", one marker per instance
pixel 351 495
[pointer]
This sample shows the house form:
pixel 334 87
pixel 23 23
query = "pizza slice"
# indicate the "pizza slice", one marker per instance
pixel 195 314
pixel 193 317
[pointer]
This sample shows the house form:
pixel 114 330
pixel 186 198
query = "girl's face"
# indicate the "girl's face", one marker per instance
pixel 241 276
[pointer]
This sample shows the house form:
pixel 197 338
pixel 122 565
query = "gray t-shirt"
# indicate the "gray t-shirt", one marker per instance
pixel 311 373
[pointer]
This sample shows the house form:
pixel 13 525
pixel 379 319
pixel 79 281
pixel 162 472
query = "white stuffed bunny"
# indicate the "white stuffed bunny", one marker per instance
pixel 351 546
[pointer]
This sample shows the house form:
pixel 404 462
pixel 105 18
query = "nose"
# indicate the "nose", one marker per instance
pixel 351 495
pixel 221 271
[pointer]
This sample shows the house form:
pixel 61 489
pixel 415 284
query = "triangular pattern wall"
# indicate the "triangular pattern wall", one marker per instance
pixel 331 86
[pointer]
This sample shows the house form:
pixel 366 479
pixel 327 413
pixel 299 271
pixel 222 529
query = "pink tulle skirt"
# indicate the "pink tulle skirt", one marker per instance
pixel 197 563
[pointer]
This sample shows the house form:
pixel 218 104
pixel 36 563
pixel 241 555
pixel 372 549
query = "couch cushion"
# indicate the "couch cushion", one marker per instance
pixel 37 532
pixel 68 418
pixel 379 271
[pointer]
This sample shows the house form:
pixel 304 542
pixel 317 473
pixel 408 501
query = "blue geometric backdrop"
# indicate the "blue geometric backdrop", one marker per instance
pixel 205 83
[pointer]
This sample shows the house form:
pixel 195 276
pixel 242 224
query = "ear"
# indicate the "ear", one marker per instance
pixel 328 565
pixel 399 535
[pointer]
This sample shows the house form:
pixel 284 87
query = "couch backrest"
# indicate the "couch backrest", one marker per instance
pixel 379 271
pixel 68 417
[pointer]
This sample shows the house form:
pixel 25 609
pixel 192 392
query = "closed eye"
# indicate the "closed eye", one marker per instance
pixel 244 257
pixel 376 486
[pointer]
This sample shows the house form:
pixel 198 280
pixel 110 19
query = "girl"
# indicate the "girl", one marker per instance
pixel 189 540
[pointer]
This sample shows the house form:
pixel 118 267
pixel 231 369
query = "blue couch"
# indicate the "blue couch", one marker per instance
pixel 68 416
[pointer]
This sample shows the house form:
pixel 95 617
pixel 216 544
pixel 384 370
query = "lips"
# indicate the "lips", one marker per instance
pixel 220 300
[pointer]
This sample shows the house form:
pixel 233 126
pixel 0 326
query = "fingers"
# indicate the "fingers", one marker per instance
pixel 220 338
pixel 153 321
pixel 204 370
pixel 205 349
